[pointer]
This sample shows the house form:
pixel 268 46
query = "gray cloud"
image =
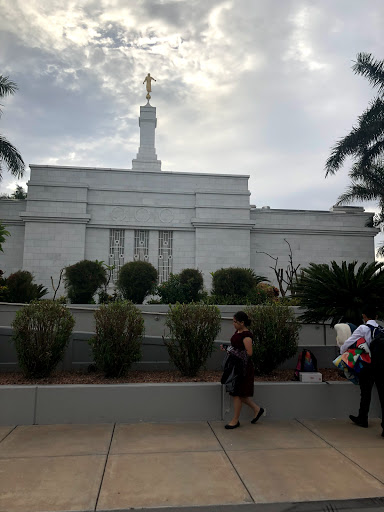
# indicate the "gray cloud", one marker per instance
pixel 261 88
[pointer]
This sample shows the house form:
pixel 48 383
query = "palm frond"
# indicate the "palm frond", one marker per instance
pixel 7 86
pixel 365 140
pixel 356 192
pixel 339 292
pixel 371 69
pixel 11 157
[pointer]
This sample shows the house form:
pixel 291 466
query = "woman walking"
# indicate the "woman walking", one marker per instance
pixel 240 360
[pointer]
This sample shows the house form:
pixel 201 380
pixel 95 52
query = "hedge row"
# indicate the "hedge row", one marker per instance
pixel 42 330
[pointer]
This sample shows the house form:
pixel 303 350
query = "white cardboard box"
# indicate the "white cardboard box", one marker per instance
pixel 311 377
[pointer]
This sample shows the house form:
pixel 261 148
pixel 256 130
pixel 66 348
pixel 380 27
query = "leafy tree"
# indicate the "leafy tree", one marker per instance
pixel 136 280
pixel 9 155
pixel 83 279
pixel 340 292
pixel 19 193
pixel 192 281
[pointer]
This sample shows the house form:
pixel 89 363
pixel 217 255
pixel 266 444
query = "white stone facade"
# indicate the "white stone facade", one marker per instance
pixel 197 220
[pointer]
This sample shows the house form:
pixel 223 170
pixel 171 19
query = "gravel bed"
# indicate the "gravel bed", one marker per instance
pixel 136 376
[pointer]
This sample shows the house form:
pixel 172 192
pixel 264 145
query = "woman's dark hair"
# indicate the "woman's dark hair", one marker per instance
pixel 240 316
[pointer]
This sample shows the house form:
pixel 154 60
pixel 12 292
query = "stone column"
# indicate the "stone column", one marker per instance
pixel 146 157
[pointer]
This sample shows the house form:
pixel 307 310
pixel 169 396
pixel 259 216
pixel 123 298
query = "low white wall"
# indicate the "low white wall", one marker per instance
pixel 131 403
pixel 154 319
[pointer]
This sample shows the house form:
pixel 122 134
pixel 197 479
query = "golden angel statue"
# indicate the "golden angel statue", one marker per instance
pixel 148 79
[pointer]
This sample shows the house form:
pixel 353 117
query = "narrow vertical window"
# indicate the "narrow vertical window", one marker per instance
pixel 141 245
pixel 165 255
pixel 116 251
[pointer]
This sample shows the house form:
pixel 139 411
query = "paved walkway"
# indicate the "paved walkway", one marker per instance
pixel 50 468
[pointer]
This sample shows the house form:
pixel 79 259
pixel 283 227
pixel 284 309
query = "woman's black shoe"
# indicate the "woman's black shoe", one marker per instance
pixel 357 421
pixel 230 427
pixel 260 413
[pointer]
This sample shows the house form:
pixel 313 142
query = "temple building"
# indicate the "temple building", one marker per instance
pixel 174 220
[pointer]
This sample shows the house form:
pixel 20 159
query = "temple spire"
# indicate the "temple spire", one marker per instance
pixel 146 159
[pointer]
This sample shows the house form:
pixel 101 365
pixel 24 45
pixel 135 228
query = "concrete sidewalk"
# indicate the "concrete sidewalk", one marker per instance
pixel 48 468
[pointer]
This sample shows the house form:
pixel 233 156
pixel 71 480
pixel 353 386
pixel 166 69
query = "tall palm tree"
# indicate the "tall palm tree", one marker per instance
pixel 9 155
pixel 365 142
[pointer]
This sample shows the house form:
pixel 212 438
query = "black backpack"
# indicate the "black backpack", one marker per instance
pixel 377 345
pixel 306 362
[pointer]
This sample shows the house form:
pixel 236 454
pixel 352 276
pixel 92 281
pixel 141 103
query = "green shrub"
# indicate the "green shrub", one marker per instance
pixel 41 333
pixel 254 296
pixel 83 279
pixel 192 332
pixel 191 279
pixel 136 280
pixel 235 282
pixel 106 298
pixel 184 287
pixel 21 288
pixel 170 291
pixel 340 292
pixel 117 343
pixel 276 332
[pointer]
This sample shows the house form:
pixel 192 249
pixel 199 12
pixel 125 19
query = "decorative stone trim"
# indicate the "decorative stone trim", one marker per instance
pixel 76 218
pixel 219 224
pixel 315 231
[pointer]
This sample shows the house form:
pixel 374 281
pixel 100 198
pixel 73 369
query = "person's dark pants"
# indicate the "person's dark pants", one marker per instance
pixel 378 373
pixel 369 375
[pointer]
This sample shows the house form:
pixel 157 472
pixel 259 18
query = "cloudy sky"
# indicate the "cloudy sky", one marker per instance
pixel 258 87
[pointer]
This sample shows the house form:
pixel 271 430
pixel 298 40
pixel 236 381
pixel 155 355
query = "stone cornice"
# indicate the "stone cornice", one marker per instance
pixel 257 212
pixel 109 169
pixel 368 232
pixel 12 222
pixel 222 224
pixel 145 190
pixel 68 218
pixel 140 205
pixel 55 184
pixel 147 227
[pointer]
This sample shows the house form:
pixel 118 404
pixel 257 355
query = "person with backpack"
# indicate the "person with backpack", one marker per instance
pixel 370 373
pixel 239 371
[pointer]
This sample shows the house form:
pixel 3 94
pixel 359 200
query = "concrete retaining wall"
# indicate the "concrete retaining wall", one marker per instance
pixel 132 403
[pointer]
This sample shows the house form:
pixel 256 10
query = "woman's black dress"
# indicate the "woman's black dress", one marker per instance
pixel 244 383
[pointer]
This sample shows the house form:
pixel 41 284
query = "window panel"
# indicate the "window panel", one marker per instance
pixel 141 245
pixel 116 251
pixel 165 255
